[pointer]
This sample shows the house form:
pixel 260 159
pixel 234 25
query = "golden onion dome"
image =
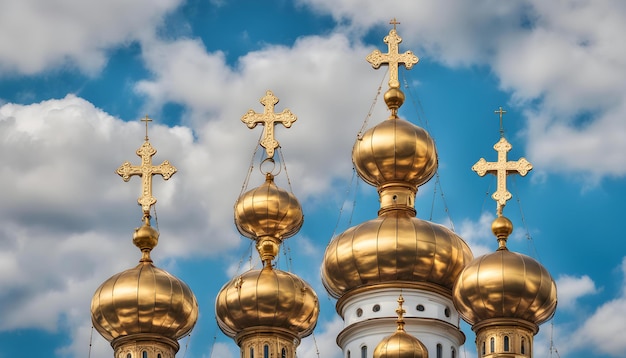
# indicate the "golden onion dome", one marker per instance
pixel 144 299
pixel 393 247
pixel 267 298
pixel 395 151
pixel 505 284
pixel 268 211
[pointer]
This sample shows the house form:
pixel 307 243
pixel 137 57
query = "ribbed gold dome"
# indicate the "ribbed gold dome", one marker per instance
pixel 393 247
pixel 144 299
pixel 400 345
pixel 505 284
pixel 268 211
pixel 267 298
pixel 395 151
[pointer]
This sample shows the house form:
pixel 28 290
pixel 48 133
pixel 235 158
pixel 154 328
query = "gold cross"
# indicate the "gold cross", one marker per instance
pixel 146 171
pixel 393 57
pixel 501 169
pixel 500 112
pixel 269 119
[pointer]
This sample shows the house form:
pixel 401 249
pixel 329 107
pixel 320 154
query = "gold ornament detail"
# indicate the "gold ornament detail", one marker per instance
pixel 269 119
pixel 146 171
pixel 393 58
pixel 501 169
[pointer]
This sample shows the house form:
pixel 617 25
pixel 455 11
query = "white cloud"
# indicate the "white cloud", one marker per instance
pixel 478 234
pixel 322 343
pixel 603 330
pixel 572 288
pixel 36 35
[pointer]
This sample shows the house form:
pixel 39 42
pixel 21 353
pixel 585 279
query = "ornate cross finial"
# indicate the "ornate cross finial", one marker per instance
pixel 269 119
pixel 146 119
pixel 501 169
pixel 400 311
pixel 393 57
pixel 146 170
pixel 501 112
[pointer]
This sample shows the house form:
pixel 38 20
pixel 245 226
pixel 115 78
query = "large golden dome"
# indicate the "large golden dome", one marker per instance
pixel 505 284
pixel 267 298
pixel 268 211
pixel 144 299
pixel 395 151
pixel 393 247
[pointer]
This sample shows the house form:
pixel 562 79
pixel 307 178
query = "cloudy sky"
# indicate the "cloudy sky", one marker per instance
pixel 76 76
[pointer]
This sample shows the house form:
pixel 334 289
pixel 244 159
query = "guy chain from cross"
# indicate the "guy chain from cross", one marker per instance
pixel 501 169
pixel 393 57
pixel 146 171
pixel 269 119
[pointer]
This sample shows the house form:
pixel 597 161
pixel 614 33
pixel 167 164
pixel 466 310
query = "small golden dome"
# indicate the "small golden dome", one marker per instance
pixel 395 151
pixel 400 345
pixel 267 298
pixel 393 247
pixel 502 227
pixel 505 284
pixel 268 211
pixel 144 299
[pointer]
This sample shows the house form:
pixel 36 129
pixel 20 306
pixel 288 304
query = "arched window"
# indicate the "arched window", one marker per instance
pixel 129 355
pixel 439 351
pixel 453 355
pixel 144 354
pixel 484 348
pixel 506 343
pixel 283 353
pixel 523 347
pixel 266 351
pixel 348 356
pixel 251 352
pixel 364 352
pixel 159 355
pixel 492 345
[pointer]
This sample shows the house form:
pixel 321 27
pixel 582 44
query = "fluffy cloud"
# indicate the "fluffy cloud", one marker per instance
pixel 571 288
pixel 74 32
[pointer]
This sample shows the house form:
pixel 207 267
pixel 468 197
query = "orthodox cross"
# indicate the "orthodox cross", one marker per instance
pixel 146 171
pixel 501 169
pixel 269 119
pixel 501 112
pixel 393 57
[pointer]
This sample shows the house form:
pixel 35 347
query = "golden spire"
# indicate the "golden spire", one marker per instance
pixel 146 171
pixel 269 119
pixel 393 57
pixel 502 168
pixel 400 311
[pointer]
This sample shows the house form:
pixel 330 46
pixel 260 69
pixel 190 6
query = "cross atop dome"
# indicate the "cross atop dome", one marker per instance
pixel 502 168
pixel 146 171
pixel 269 119
pixel 393 58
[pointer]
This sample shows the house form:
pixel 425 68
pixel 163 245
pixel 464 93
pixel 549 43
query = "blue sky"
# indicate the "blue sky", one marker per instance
pixel 76 77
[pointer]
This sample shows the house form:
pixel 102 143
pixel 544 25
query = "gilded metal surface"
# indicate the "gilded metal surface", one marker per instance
pixel 393 57
pixel 491 336
pixel 393 247
pixel 278 341
pixel 146 171
pixel 269 119
pixel 268 298
pixel 154 344
pixel 501 169
pixel 400 344
pixel 268 211
pixel 505 284
pixel 143 299
pixel 395 151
